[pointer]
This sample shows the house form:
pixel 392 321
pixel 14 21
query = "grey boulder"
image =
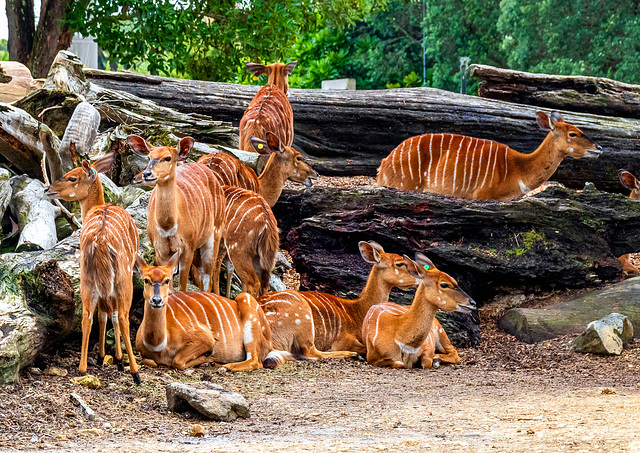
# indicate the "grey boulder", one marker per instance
pixel 210 400
pixel 605 336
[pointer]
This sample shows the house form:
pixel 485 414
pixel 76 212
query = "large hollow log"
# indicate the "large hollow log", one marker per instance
pixel 555 239
pixel 597 95
pixel 349 132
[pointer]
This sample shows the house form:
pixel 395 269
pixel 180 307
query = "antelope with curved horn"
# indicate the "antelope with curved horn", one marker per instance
pixel 186 211
pixel 400 340
pixel 630 182
pixel 284 164
pixel 269 110
pixel 108 246
pixel 185 329
pixel 479 169
pixel 336 322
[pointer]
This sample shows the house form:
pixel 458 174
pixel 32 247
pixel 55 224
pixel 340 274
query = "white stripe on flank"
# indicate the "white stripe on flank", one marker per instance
pixel 430 161
pixel 409 153
pixel 493 169
pixel 486 173
pixel 419 152
pixel 406 349
pixel 455 166
pixel 506 160
pixel 446 161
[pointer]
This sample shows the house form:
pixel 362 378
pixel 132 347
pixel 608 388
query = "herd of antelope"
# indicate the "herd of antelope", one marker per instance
pixel 203 214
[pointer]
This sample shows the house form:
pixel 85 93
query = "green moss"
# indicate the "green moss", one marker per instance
pixel 159 136
pixel 529 240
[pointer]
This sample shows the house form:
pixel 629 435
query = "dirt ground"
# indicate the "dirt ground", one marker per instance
pixel 505 396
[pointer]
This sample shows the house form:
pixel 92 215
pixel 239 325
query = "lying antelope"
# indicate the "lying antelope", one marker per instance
pixel 269 110
pixel 474 168
pixel 336 322
pixel 400 340
pixel 186 211
pixel 252 240
pixel 284 164
pixel 630 182
pixel 185 329
pixel 108 246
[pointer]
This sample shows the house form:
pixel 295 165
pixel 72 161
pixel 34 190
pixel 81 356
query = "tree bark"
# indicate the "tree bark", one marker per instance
pixel 596 95
pixel 555 239
pixel 350 132
pixel 21 21
pixel 51 36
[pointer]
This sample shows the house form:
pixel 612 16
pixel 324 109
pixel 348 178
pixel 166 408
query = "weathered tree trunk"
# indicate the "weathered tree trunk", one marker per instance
pixel 533 325
pixel 350 132
pixel 50 36
pixel 557 238
pixel 21 21
pixel 576 93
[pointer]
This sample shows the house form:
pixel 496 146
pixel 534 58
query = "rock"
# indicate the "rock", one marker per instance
pixel 605 336
pixel 35 371
pixel 86 410
pixel 569 318
pixel 210 400
pixel 108 360
pixel 196 430
pixel 87 380
pixel 56 371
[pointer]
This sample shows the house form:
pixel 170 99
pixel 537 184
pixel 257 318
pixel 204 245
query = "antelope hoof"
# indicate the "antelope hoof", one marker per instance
pixel 119 363
pixel 136 378
pixel 270 363
pixel 436 363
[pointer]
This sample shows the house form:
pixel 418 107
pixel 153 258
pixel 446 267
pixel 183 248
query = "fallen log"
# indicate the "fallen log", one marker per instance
pixel 555 239
pixel 571 317
pixel 597 95
pixel 349 132
pixel 35 213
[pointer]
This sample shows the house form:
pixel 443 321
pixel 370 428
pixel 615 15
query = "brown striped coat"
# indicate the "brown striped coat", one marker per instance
pixel 474 168
pixel 629 181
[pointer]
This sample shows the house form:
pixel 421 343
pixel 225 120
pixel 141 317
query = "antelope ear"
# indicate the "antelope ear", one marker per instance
pixel 103 164
pixel 555 118
pixel 543 121
pixel 138 145
pixel 256 68
pixel 424 262
pixel 289 67
pixel 184 147
pixel 412 267
pixel 369 252
pixel 274 142
pixel 88 169
pixel 628 180
pixel 260 146
pixel 139 265
pixel 173 261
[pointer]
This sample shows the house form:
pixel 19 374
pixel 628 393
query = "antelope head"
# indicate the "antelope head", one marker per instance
pixel 77 184
pixel 391 267
pixel 278 73
pixel 157 280
pixel 162 160
pixel 570 140
pixel 294 167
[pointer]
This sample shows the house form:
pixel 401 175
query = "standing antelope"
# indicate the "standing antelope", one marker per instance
pixel 284 164
pixel 399 340
pixel 186 211
pixel 252 240
pixel 336 322
pixel 269 110
pixel 185 329
pixel 480 169
pixel 108 246
pixel 630 182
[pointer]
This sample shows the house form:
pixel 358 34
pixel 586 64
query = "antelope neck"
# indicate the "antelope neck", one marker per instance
pixel 537 167
pixel 166 203
pixel 95 197
pixel 374 292
pixel 272 180
pixel 415 323
pixel 154 325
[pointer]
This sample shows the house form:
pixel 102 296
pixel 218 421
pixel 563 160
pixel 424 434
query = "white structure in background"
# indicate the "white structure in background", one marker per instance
pixel 86 49
pixel 339 84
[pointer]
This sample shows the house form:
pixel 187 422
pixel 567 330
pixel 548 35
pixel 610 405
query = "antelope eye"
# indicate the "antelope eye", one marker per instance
pixel 299 158
pixel 72 179
pixel 147 281
pixel 444 285
pixel 167 281
pixel 399 264
pixel 573 134
pixel 167 159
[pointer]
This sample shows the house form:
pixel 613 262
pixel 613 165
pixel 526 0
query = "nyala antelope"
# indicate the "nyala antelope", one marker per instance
pixel 185 329
pixel 269 110
pixel 474 168
pixel 108 246
pixel 284 164
pixel 630 182
pixel 336 323
pixel 399 338
pixel 186 211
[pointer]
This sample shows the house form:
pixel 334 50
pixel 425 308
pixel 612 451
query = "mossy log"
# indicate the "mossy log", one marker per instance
pixel 556 239
pixel 350 132
pixel 597 95
pixel 568 318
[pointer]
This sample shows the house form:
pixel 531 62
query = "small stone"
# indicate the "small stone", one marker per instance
pixel 108 360
pixel 608 391
pixel 530 431
pixel 210 400
pixel 196 431
pixel 107 425
pixel 88 381
pixel 35 371
pixel 56 371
